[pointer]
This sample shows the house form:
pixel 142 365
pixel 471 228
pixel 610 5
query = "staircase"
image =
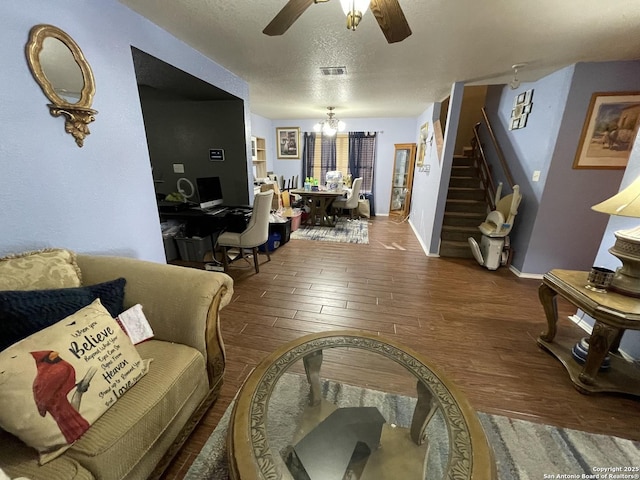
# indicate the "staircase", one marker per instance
pixel 466 208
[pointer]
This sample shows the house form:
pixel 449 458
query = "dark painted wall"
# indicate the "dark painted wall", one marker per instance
pixel 183 131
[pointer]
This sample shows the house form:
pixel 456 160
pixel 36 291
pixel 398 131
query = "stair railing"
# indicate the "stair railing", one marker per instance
pixel 484 172
pixel 482 165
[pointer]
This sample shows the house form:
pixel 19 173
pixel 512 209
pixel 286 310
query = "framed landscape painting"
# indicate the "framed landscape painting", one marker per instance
pixel 288 142
pixel 609 131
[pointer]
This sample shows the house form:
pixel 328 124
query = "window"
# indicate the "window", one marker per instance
pixel 342 156
pixel 353 153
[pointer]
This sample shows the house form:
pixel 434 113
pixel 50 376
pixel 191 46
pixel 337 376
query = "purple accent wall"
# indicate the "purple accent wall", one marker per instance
pixel 555 227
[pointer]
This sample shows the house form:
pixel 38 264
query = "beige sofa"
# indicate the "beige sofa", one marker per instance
pixel 137 437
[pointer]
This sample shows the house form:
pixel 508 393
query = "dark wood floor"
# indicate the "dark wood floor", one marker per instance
pixel 478 327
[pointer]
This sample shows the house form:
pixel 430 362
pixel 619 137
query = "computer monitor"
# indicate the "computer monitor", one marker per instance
pixel 209 192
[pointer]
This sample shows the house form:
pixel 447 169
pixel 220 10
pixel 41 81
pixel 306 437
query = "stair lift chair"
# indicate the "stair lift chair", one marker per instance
pixel 256 233
pixel 491 252
pixel 351 202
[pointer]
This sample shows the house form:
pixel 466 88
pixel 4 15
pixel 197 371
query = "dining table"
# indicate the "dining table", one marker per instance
pixel 319 203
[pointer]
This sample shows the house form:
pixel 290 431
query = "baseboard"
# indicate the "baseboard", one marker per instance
pixel 422 245
pixel 579 321
pixel 518 273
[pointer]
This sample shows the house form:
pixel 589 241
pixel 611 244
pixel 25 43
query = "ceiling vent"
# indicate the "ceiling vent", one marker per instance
pixel 333 70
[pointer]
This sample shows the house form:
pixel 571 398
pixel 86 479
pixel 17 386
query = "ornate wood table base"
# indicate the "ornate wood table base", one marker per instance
pixel 319 203
pixel 613 314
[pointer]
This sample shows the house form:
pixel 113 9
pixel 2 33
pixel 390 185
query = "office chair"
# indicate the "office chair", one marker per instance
pixel 256 233
pixel 351 202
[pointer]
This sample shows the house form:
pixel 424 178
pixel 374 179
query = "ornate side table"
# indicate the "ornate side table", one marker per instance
pixel 613 313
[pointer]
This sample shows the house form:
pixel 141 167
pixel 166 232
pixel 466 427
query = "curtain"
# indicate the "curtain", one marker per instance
pixel 327 156
pixel 308 149
pixel 362 160
pixel 362 157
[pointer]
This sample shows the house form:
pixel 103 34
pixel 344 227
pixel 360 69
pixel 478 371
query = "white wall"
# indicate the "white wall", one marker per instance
pixel 98 198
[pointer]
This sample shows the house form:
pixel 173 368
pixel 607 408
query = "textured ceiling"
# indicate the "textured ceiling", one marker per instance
pixel 474 41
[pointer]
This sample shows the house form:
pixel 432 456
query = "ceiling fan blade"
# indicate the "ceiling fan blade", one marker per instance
pixel 285 17
pixel 391 19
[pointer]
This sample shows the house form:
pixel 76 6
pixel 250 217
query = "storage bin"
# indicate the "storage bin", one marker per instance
pixel 273 242
pixel 170 248
pixel 284 229
pixel 194 249
pixel 295 221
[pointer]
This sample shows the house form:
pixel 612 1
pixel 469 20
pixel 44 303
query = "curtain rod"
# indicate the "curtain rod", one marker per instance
pixel 365 131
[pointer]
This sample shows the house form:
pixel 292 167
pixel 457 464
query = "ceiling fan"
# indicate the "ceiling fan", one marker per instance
pixel 387 12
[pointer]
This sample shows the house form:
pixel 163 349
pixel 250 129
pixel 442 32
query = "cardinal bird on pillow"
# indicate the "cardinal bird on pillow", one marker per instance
pixel 53 382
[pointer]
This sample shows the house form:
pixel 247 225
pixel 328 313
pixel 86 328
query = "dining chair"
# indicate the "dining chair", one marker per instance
pixel 255 235
pixel 351 202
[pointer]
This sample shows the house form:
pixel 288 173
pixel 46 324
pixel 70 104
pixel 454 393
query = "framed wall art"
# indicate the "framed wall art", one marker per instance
pixel 521 110
pixel 609 131
pixel 288 139
pixel 422 145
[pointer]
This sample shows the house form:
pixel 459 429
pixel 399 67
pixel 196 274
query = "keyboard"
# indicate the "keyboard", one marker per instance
pixel 216 211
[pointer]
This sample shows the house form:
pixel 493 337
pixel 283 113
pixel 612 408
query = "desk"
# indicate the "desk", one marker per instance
pixel 201 224
pixel 613 314
pixel 319 203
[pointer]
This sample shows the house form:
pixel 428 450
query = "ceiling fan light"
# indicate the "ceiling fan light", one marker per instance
pixel 360 6
pixel 353 21
pixel 354 10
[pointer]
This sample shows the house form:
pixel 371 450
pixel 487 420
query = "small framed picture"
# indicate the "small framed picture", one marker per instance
pixel 521 110
pixel 288 143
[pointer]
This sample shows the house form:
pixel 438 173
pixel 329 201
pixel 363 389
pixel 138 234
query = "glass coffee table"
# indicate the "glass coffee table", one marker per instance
pixel 348 405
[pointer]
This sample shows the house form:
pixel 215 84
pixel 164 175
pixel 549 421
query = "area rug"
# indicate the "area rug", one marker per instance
pixel 523 450
pixel 345 231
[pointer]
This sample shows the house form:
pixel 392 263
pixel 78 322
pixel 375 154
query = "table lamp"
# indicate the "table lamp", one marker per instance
pixel 625 203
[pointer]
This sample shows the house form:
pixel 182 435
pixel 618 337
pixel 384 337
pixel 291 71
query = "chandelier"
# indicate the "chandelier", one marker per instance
pixel 330 126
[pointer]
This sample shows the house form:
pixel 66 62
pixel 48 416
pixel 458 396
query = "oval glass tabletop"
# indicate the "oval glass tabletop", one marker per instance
pixel 348 405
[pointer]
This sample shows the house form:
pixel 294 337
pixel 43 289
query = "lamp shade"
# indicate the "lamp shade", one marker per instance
pixel 625 203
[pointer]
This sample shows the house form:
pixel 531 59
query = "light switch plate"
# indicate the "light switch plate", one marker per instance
pixel 536 175
pixel 178 168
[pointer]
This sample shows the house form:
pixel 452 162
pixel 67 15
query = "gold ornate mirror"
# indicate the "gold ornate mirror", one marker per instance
pixel 59 67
